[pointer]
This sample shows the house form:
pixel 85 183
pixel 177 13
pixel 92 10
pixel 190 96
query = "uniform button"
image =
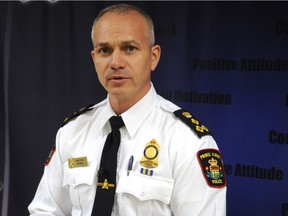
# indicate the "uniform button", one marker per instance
pixel 143 194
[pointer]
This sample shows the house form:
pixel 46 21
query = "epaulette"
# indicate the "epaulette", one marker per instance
pixel 75 114
pixel 200 129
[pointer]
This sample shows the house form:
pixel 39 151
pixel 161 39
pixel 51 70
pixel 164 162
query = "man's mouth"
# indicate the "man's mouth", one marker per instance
pixel 117 78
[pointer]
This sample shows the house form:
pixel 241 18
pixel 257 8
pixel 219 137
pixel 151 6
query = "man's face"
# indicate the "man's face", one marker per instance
pixel 122 55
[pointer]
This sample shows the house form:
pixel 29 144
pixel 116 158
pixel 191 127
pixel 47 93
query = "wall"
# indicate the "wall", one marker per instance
pixel 226 62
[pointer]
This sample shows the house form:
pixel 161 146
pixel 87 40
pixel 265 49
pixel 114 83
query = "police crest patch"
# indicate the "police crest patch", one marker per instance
pixel 212 167
pixel 50 155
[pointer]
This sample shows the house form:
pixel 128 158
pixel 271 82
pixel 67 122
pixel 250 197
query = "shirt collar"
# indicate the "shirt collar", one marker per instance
pixel 107 114
pixel 134 116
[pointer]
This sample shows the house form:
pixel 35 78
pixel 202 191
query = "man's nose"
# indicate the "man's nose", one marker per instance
pixel 117 61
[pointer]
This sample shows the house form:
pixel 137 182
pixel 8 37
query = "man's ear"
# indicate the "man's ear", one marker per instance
pixel 156 53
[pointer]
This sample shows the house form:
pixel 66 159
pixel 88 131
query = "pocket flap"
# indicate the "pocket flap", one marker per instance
pixel 146 187
pixel 80 175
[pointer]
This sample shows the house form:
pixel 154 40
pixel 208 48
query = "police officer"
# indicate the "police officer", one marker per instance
pixel 167 162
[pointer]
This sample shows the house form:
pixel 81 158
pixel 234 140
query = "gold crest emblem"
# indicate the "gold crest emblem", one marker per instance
pixel 150 155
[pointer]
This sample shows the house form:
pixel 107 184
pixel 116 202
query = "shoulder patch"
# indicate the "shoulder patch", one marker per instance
pixel 50 155
pixel 200 129
pixel 76 114
pixel 211 164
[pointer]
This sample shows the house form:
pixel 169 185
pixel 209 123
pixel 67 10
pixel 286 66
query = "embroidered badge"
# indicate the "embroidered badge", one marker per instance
pixel 150 155
pixel 212 167
pixel 50 155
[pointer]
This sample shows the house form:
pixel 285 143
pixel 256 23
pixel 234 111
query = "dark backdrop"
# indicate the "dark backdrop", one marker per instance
pixel 227 62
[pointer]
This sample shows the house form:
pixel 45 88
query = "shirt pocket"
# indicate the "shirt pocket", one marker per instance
pixel 147 189
pixel 80 182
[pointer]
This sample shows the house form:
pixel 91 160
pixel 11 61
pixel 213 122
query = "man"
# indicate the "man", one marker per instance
pixel 167 163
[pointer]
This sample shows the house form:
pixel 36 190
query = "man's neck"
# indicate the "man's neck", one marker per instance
pixel 122 104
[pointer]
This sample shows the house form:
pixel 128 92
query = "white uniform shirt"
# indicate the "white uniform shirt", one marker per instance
pixel 176 186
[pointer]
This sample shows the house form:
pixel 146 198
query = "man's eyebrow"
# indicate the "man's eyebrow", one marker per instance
pixel 101 44
pixel 129 42
pixel 123 43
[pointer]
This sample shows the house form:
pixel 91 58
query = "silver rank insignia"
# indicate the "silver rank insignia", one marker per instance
pixel 150 155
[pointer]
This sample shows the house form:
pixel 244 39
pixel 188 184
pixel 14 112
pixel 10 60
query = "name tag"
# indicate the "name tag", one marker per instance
pixel 77 162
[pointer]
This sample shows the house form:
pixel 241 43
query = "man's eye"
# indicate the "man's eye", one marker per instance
pixel 130 49
pixel 104 50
